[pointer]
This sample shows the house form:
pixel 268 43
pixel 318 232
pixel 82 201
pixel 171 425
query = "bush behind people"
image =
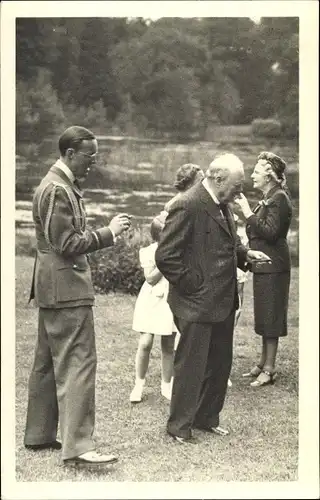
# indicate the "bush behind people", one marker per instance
pixel 117 269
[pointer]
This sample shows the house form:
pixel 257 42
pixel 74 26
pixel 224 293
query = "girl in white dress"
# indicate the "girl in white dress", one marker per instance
pixel 152 316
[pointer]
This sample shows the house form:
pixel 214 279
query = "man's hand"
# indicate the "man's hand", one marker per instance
pixel 257 256
pixel 243 204
pixel 120 223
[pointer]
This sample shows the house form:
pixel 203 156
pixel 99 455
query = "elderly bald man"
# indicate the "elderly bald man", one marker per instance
pixel 198 253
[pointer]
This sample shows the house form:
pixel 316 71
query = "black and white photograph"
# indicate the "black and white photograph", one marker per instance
pixel 160 333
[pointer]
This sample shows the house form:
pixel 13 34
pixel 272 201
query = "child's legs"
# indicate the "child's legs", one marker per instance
pixel 167 345
pixel 143 354
pixel 240 292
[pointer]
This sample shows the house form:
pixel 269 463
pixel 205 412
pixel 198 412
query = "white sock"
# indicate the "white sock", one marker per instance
pixel 140 382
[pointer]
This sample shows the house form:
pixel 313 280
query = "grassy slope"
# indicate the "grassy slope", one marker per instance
pixel 263 444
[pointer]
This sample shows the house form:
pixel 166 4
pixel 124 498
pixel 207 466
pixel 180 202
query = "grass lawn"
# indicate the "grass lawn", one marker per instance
pixel 263 443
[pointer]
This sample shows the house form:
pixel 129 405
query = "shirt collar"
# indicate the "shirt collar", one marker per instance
pixel 208 188
pixel 65 169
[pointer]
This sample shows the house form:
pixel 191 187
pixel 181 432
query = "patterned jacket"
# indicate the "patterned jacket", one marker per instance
pixel 62 275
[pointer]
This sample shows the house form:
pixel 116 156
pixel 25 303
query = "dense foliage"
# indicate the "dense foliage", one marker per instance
pixel 117 268
pixel 268 127
pixel 172 77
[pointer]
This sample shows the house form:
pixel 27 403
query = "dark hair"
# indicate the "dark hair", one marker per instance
pixel 278 166
pixel 186 176
pixel 73 137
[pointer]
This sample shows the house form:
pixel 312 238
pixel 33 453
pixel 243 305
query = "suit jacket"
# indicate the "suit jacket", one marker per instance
pixel 62 275
pixel 198 253
pixel 267 231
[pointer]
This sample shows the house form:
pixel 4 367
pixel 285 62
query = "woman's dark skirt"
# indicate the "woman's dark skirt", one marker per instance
pixel 270 298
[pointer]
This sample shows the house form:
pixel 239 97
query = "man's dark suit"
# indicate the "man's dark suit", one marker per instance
pixel 198 253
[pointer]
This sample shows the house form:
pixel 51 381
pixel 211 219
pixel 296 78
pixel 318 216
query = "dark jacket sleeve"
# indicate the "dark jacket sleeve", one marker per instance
pixel 57 216
pixel 271 226
pixel 241 255
pixel 175 238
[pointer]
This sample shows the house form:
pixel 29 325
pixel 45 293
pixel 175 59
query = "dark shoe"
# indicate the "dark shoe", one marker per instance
pixel 256 370
pixel 265 378
pixel 91 459
pixel 182 440
pixel 214 430
pixel 55 445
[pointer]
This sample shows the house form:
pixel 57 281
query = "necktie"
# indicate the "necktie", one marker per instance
pixel 223 209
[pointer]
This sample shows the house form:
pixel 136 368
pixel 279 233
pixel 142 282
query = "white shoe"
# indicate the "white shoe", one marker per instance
pixel 166 389
pixel 91 458
pixel 229 383
pixel 136 393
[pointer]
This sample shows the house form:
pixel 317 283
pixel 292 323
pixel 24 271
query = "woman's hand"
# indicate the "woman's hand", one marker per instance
pixel 243 204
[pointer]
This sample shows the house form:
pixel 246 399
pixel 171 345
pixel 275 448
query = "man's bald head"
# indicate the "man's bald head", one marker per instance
pixel 225 176
pixel 228 163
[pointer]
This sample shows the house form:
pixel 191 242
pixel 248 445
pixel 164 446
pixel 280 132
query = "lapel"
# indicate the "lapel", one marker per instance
pixel 269 194
pixel 231 223
pixel 56 170
pixel 256 208
pixel 213 210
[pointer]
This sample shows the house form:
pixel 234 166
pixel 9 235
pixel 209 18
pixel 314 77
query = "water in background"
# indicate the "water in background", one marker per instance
pixel 137 176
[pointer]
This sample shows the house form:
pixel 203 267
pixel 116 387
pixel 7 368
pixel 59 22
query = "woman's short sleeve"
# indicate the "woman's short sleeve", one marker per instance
pixel 147 256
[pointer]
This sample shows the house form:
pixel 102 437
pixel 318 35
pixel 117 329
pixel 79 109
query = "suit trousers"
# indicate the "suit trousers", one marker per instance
pixel 62 380
pixel 202 367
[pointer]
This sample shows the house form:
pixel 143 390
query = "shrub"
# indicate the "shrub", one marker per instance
pixel 289 113
pixel 38 111
pixel 27 152
pixel 93 117
pixel 25 244
pixel 290 128
pixel 266 127
pixel 117 269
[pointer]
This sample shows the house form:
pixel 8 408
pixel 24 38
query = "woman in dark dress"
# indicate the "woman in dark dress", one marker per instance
pixel 267 228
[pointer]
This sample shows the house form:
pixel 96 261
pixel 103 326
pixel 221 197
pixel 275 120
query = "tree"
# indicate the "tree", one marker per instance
pixel 96 78
pixel 172 74
pixel 36 46
pixel 38 111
